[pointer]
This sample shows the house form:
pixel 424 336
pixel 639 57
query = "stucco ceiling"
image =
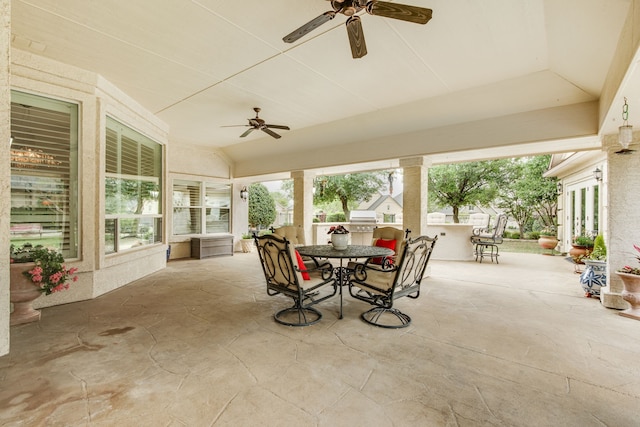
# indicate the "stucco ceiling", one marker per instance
pixel 480 74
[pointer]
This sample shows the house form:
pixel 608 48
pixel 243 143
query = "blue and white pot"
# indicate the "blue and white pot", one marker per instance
pixel 593 277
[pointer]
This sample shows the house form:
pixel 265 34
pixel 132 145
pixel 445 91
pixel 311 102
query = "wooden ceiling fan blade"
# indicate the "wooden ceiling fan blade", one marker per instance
pixel 309 26
pixel 356 37
pixel 270 132
pixel 404 12
pixel 247 132
pixel 278 127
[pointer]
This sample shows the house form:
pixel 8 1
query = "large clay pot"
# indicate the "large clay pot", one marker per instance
pixel 23 293
pixel 340 241
pixel 578 253
pixel 631 294
pixel 548 242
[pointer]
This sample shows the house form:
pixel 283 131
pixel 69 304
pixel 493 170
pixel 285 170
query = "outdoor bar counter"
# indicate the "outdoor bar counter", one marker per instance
pixel 454 241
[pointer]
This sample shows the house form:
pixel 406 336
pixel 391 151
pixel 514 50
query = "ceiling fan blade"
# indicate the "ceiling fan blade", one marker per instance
pixel 404 12
pixel 247 132
pixel 356 37
pixel 270 132
pixel 278 127
pixel 309 26
pixel 233 126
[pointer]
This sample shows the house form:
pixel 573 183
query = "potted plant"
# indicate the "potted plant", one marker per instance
pixel 548 239
pixel 35 270
pixel 594 275
pixel 247 242
pixel 339 237
pixel 580 248
pixel 631 281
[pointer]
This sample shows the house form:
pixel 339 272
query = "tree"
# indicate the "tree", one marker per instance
pixel 355 187
pixel 262 208
pixel 465 184
pixel 527 194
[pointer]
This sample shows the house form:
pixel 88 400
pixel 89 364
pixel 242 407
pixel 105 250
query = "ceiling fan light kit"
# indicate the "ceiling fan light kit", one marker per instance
pixel 350 8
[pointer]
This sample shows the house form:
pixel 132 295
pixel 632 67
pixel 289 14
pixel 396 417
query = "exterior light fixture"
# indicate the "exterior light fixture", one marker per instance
pixel 11 140
pixel 625 132
pixel 559 187
pixel 244 194
pixel 597 174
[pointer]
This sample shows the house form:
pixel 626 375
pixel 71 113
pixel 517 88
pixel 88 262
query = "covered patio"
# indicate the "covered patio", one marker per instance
pixel 195 344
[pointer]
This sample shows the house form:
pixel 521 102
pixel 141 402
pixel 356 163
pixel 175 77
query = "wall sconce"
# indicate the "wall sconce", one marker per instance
pixel 244 194
pixel 625 132
pixel 597 174
pixel 11 140
pixel 559 187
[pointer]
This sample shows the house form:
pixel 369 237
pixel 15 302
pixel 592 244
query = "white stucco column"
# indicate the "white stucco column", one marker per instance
pixel 415 194
pixel 303 202
pixel 5 169
pixel 623 215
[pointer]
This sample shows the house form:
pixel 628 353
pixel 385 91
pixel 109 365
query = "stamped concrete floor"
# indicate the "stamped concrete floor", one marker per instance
pixel 515 344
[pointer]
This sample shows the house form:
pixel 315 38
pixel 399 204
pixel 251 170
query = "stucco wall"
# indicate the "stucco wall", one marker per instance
pixel 623 176
pixel 5 170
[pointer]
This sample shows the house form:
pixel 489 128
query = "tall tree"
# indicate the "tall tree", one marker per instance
pixel 465 184
pixel 528 194
pixel 262 207
pixel 349 188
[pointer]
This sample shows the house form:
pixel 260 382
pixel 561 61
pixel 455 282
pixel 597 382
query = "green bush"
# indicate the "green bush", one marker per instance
pixel 534 235
pixel 337 217
pixel 512 234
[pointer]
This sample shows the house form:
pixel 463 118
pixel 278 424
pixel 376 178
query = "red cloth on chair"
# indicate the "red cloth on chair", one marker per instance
pixel 301 266
pixel 382 243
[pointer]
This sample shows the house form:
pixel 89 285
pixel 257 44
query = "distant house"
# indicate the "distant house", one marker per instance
pixel 388 208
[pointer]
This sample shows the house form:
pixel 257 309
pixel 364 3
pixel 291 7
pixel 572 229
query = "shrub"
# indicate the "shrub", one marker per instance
pixel 534 235
pixel 337 217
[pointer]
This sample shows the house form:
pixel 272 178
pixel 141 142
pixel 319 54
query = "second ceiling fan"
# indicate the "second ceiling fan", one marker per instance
pixel 403 12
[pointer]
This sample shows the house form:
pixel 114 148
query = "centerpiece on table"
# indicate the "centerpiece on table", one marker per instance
pixel 35 270
pixel 339 237
pixel 631 280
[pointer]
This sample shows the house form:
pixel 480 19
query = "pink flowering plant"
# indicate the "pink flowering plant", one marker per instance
pixel 338 229
pixel 632 270
pixel 50 273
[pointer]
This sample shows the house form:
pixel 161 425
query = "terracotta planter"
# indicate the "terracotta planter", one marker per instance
pixel 631 294
pixel 548 242
pixel 578 252
pixel 23 293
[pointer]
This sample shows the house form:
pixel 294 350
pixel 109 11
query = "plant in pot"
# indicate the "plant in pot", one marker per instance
pixel 631 293
pixel 247 242
pixel 548 240
pixel 581 247
pixel 339 237
pixel 594 275
pixel 35 270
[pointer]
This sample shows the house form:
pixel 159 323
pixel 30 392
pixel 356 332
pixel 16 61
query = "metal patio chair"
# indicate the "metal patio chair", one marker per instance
pixel 489 240
pixel 284 275
pixel 381 286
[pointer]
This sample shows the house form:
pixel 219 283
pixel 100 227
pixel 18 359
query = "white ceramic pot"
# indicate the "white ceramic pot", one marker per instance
pixel 340 241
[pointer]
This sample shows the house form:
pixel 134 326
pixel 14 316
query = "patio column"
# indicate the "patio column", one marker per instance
pixel 5 169
pixel 303 202
pixel 415 194
pixel 623 215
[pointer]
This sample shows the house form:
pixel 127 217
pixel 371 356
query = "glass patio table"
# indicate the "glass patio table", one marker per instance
pixel 343 273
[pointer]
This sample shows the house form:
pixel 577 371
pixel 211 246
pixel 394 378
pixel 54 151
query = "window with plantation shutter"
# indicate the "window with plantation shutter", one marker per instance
pixel 44 173
pixel 133 172
pixel 201 207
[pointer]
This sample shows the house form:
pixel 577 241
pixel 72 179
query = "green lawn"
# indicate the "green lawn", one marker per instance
pixel 524 246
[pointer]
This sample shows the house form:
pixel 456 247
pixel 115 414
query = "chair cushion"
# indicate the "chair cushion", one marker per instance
pixel 301 266
pixel 382 243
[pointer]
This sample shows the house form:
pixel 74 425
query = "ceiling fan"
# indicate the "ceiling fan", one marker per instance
pixel 257 123
pixel 418 15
